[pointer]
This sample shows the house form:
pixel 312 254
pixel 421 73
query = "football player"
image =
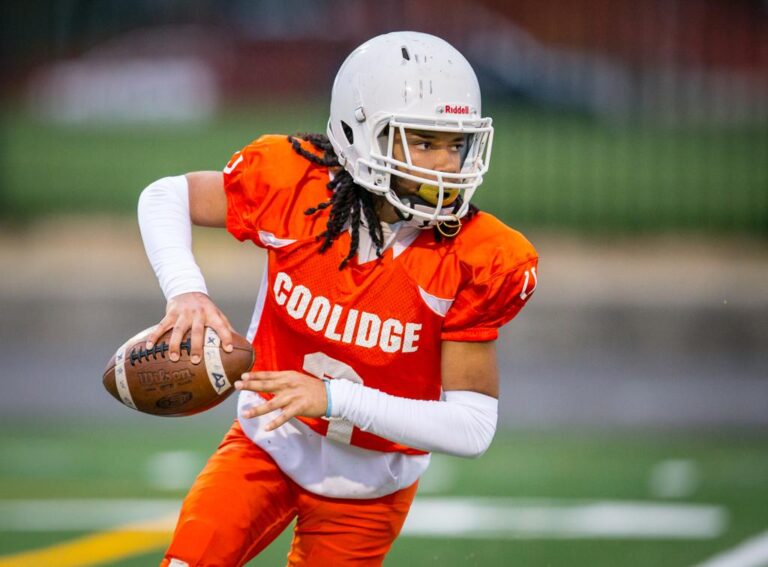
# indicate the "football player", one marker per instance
pixel 376 316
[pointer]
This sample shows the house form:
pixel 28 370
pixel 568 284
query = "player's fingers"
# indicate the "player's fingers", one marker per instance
pixel 287 413
pixel 226 321
pixel 269 386
pixel 159 329
pixel 179 329
pixel 225 333
pixel 265 375
pixel 269 406
pixel 196 337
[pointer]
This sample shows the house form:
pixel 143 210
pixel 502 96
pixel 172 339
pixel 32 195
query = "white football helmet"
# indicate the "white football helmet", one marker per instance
pixel 401 81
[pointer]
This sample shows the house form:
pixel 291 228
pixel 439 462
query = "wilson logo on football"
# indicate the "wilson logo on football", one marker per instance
pixel 462 109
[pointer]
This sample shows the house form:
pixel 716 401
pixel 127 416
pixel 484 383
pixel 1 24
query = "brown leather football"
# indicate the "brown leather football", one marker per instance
pixel 148 381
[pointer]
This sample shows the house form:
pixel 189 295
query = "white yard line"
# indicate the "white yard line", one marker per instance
pixel 80 514
pixel 556 519
pixel 751 553
pixel 488 518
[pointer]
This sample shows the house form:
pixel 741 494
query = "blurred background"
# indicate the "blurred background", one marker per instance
pixel 631 148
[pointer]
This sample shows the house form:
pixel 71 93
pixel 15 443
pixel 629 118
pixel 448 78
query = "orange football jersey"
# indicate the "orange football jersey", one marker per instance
pixel 380 322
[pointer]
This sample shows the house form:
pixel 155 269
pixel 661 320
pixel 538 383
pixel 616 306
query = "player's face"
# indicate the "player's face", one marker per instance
pixel 440 151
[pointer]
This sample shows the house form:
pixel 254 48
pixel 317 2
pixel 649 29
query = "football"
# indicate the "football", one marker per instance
pixel 148 381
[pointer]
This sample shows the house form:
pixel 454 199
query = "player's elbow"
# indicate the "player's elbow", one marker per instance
pixel 476 440
pixel 477 448
pixel 475 417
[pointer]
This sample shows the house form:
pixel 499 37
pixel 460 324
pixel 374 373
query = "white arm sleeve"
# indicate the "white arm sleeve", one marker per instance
pixel 462 425
pixel 166 229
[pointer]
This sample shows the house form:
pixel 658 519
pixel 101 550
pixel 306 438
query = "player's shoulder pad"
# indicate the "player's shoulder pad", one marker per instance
pixel 275 152
pixel 488 242
pixel 271 161
pixel 269 186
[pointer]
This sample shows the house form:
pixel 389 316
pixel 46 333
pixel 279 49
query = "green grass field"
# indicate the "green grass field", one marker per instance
pixel 548 168
pixel 109 461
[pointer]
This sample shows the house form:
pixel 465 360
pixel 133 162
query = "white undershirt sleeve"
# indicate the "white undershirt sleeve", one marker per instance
pixel 166 229
pixel 462 425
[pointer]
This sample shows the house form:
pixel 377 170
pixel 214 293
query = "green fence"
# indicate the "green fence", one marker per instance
pixel 548 169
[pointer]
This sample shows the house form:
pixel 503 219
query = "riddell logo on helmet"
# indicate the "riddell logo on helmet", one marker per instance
pixel 455 109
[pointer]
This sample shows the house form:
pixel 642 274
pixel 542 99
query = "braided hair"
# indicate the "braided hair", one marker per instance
pixel 349 201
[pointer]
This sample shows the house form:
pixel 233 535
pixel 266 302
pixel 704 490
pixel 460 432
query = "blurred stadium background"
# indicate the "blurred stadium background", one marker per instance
pixel 631 148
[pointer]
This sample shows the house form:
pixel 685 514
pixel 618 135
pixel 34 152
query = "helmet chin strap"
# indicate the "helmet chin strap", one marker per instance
pixel 448 228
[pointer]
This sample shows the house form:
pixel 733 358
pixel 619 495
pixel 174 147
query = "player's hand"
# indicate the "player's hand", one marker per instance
pixel 295 394
pixel 193 311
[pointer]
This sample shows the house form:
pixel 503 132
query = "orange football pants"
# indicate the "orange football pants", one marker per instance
pixel 242 501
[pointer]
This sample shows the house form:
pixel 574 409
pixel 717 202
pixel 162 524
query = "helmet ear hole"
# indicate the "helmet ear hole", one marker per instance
pixel 348 134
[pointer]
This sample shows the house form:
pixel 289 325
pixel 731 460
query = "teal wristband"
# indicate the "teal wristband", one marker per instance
pixel 327 397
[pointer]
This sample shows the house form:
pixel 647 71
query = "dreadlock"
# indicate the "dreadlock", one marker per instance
pixel 349 201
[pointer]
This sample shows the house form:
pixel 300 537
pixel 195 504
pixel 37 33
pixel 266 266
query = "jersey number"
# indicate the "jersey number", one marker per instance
pixel 230 167
pixel 526 293
pixel 323 366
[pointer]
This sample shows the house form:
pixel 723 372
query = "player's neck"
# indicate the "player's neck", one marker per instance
pixel 386 211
